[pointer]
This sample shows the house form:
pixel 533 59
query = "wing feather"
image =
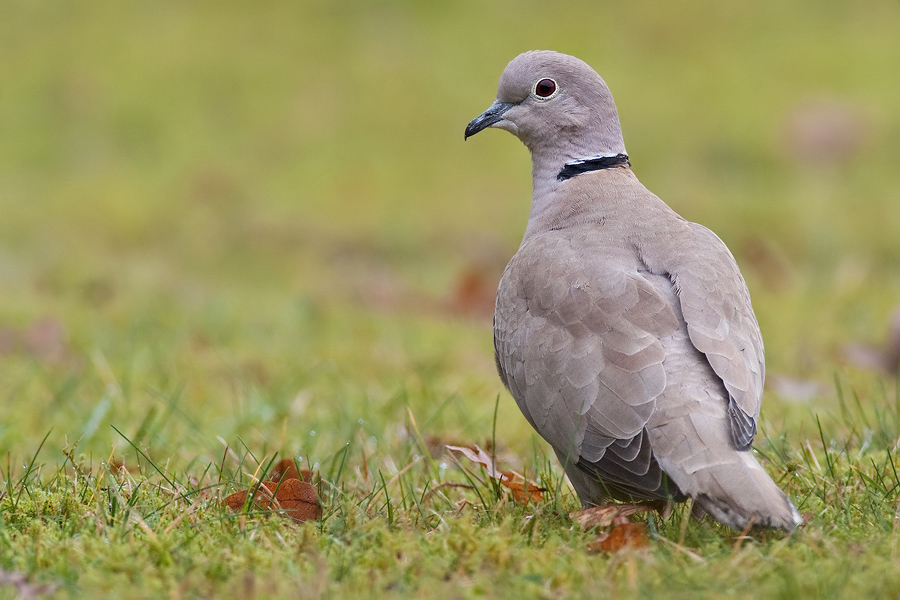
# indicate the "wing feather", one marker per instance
pixel 721 324
pixel 581 355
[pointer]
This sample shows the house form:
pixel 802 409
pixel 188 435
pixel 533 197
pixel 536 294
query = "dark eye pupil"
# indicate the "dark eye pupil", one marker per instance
pixel 545 87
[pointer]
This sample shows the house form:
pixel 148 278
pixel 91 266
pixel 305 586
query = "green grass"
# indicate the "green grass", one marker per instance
pixel 233 233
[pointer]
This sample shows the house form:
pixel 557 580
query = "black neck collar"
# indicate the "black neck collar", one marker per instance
pixel 577 167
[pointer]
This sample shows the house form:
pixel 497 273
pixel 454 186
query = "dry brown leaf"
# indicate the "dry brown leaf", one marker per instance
pixel 626 535
pixel 437 445
pixel 765 260
pixel 523 491
pixel 119 465
pixel 603 516
pixel 474 292
pixel 236 500
pixel 299 500
pixel 287 469
pixel 617 514
pixel 477 455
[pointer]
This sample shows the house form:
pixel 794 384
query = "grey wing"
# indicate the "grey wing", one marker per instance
pixel 716 306
pixel 580 353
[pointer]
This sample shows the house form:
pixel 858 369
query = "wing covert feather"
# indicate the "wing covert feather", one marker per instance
pixel 580 351
pixel 721 324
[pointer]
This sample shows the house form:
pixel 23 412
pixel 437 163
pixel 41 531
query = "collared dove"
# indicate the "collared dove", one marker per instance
pixel 624 332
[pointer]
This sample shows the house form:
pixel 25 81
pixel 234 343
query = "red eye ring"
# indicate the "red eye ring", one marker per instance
pixel 545 88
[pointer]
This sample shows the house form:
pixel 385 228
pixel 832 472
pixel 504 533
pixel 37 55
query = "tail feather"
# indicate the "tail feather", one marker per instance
pixel 739 493
pixel 746 495
pixel 695 450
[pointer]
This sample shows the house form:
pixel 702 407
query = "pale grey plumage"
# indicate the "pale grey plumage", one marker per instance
pixel 624 332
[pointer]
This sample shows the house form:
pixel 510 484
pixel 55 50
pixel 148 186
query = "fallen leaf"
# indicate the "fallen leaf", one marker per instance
pixel 299 500
pixel 603 516
pixel 617 514
pixel 477 455
pixel 287 469
pixel 236 500
pixel 474 293
pixel 523 491
pixel 626 535
pixel 437 445
pixel 119 465
pixel 762 256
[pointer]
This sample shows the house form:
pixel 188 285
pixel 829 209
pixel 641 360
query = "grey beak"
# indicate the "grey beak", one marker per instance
pixel 493 115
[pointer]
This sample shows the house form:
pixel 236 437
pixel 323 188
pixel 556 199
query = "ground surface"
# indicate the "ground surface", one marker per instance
pixel 234 234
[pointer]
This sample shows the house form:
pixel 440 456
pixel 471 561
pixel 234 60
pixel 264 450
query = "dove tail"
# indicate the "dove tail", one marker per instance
pixel 737 492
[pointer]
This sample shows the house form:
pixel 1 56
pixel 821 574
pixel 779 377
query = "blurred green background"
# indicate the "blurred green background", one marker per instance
pixel 259 221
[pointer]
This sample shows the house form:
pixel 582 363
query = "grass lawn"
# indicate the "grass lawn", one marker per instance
pixel 235 234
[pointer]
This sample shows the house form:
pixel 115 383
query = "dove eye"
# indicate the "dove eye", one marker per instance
pixel 545 88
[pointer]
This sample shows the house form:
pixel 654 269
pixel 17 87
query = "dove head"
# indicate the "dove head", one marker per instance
pixel 557 105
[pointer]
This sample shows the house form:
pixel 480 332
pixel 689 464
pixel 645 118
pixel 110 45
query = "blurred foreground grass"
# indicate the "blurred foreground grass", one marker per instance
pixel 259 226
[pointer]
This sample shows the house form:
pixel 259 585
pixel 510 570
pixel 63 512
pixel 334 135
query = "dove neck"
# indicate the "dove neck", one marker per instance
pixel 597 190
pixel 595 163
